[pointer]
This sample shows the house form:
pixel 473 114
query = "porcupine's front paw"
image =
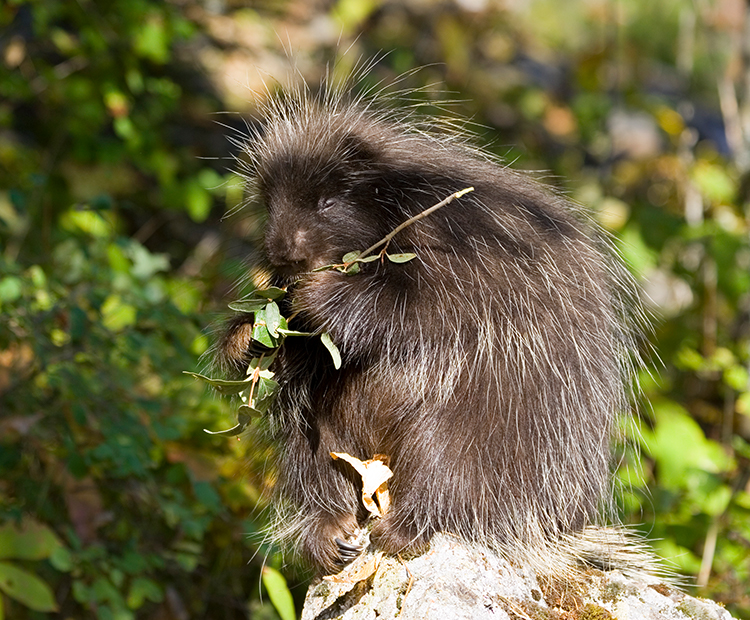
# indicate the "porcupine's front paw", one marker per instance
pixel 324 544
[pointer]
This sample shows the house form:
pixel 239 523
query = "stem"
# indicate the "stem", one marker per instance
pixel 385 240
pixel 254 382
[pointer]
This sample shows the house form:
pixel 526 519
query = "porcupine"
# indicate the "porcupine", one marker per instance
pixel 490 369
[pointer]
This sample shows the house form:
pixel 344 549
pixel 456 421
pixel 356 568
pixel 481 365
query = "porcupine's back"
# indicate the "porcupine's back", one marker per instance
pixel 490 369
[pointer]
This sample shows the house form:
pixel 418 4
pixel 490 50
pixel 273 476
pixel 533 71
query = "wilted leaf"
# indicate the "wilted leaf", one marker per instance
pixel 244 417
pixel 222 386
pixel 362 568
pixel 279 593
pixel 375 475
pixel 26 588
pixel 325 338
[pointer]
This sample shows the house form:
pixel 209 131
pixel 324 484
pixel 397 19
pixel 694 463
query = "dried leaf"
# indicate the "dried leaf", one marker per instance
pixel 362 568
pixel 375 475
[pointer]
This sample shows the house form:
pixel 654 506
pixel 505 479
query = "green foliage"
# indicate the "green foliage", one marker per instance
pixel 114 503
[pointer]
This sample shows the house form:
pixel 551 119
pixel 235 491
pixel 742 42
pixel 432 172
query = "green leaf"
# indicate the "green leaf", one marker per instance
pixel 117 315
pixel 10 288
pixel 248 305
pixel 291 332
pixel 674 430
pixel 222 386
pixel 264 362
pixel 30 541
pixel 152 40
pixel 61 559
pixel 251 412
pixel 244 418
pixel 265 389
pixel 26 588
pixel 369 259
pixel 351 270
pixel 350 257
pixel 401 258
pixel 260 331
pixel 325 338
pixel 197 201
pixel 272 292
pixel 143 589
pixel 279 593
pixel 273 319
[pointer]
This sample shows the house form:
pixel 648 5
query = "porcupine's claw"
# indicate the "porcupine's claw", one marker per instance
pixel 347 551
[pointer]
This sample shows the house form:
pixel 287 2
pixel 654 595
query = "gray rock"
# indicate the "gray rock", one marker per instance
pixel 455 581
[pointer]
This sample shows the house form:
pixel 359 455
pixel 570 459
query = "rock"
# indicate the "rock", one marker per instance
pixel 455 581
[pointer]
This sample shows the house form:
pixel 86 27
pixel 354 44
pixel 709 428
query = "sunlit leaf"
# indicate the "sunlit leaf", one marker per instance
pixel 272 292
pixel 401 258
pixel 273 319
pixel 279 593
pixel 26 588
pixel 325 338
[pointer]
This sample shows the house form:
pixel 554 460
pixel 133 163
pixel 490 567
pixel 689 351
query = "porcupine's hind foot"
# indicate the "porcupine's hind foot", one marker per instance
pixel 394 534
pixel 323 542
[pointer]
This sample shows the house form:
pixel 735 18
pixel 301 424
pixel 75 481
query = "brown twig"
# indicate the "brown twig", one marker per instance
pixel 387 239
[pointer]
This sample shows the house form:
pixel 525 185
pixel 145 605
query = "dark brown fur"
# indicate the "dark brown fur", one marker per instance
pixel 490 369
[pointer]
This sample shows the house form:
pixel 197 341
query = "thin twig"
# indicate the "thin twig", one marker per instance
pixel 385 240
pixel 254 383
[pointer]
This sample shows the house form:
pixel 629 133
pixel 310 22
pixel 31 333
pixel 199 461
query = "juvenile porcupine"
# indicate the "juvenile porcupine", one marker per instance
pixel 490 369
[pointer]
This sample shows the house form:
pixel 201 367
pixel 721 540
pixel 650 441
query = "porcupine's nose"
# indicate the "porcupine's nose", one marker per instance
pixel 286 251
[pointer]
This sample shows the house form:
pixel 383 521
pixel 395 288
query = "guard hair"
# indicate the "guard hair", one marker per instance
pixel 491 369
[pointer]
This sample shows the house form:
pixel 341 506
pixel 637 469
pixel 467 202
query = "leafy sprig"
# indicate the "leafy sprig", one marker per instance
pixel 270 328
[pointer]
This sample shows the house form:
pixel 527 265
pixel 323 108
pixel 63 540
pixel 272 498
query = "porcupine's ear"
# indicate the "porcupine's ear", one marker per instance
pixel 357 151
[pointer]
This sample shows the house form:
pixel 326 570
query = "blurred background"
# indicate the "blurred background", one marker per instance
pixel 119 127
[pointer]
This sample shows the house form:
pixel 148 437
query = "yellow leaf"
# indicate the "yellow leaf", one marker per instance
pixel 375 475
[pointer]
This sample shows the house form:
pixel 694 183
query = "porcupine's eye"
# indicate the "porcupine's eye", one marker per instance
pixel 326 204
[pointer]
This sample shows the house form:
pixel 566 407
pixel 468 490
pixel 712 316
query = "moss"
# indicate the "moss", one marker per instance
pixel 322 590
pixel 695 609
pixel 613 591
pixel 561 595
pixel 593 612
